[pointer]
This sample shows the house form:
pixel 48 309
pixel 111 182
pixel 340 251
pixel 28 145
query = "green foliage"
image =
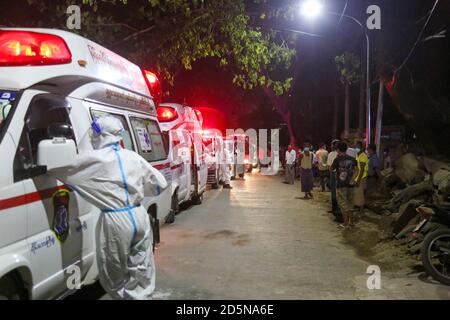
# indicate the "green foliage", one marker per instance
pixel 349 67
pixel 169 36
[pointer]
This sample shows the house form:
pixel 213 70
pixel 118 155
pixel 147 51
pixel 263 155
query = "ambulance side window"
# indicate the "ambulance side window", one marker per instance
pixel 45 111
pixel 23 160
pixel 126 134
pixel 151 144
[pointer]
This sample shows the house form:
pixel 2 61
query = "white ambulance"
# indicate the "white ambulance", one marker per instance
pixel 52 85
pixel 214 144
pixel 182 127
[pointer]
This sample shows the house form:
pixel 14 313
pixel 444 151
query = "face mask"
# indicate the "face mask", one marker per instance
pixel 358 150
pixel 306 149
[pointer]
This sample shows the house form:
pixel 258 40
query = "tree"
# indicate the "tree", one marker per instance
pixel 169 36
pixel 348 65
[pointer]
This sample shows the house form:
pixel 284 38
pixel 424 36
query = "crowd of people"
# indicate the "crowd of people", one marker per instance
pixel 349 172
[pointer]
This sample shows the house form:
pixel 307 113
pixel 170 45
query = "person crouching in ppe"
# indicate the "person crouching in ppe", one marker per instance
pixel 225 167
pixel 115 180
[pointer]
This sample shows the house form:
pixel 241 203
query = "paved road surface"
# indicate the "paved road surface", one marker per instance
pixel 258 242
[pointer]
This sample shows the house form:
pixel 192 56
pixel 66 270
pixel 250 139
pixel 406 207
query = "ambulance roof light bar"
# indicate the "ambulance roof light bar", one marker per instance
pixel 25 48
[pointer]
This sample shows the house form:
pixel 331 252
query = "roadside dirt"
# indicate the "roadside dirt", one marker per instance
pixel 372 241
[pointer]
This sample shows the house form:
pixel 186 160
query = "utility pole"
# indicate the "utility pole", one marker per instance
pixel 379 125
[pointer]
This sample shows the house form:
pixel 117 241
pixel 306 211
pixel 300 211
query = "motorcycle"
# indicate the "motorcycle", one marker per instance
pixel 435 249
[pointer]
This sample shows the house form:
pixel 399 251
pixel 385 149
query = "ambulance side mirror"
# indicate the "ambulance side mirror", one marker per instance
pixel 56 153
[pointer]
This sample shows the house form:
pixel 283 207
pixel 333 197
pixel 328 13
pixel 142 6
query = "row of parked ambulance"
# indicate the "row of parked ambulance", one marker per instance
pixel 53 84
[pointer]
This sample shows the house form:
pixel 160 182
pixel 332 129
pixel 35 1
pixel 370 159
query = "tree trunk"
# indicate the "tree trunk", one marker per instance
pixel 281 105
pixel 411 192
pixel 347 109
pixel 287 119
pixel 335 112
pixel 362 105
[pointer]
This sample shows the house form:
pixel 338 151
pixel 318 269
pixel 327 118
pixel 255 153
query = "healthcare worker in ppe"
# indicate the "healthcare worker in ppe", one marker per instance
pixel 116 180
pixel 225 167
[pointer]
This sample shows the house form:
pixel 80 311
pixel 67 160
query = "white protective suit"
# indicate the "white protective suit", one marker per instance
pixel 225 166
pixel 115 180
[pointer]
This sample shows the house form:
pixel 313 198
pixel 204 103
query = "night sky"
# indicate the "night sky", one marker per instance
pixel 312 95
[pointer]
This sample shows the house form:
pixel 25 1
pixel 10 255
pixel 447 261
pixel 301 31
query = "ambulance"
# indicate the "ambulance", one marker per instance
pixel 182 127
pixel 52 85
pixel 213 141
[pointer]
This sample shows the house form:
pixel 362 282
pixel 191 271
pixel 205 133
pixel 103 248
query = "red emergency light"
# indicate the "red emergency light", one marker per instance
pixel 167 114
pixel 24 48
pixel 154 85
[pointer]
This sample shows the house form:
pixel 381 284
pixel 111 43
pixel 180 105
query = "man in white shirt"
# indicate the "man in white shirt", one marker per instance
pixel 291 156
pixel 322 159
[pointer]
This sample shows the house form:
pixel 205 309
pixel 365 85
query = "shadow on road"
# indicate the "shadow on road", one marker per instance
pixel 92 292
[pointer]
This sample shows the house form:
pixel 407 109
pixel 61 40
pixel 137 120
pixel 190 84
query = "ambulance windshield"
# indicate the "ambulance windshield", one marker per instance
pixel 7 99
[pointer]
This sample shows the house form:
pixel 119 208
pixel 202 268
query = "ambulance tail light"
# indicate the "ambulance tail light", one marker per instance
pixel 167 114
pixel 24 48
pixel 154 85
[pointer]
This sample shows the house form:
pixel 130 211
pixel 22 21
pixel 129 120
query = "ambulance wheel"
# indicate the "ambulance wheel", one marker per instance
pixel 170 217
pixel 11 289
pixel 197 200
pixel 175 204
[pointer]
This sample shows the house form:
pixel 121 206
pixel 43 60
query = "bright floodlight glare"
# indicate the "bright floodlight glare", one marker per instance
pixel 311 8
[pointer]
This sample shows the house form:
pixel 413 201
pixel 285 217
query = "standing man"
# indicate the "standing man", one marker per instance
pixel 361 177
pixel 291 156
pixel 116 180
pixel 322 158
pixel 374 170
pixel 334 205
pixel 345 167
pixel 306 173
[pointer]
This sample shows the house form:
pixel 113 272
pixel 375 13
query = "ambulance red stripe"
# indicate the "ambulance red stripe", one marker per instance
pixel 176 166
pixel 162 166
pixel 30 197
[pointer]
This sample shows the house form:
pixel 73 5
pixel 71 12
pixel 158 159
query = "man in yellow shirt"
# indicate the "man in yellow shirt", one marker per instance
pixel 361 176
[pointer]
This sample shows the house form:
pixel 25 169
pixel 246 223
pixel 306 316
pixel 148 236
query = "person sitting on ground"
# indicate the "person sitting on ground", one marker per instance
pixel 345 168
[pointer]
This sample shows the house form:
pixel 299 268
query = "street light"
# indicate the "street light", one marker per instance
pixel 312 9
